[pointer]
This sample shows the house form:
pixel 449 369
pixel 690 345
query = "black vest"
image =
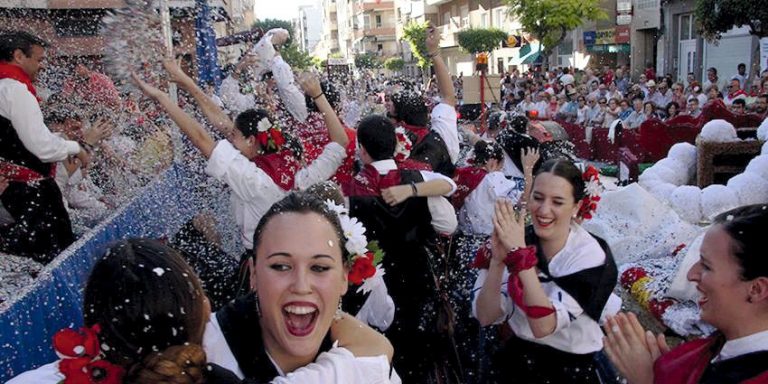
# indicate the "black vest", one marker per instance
pixel 433 151
pixel 13 150
pixel 737 369
pixel 239 322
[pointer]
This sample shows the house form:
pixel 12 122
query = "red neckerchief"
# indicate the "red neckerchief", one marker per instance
pixel 369 182
pixel 346 170
pixel 420 132
pixel 280 166
pixel 467 179
pixel 686 363
pixel 12 71
pixel 736 94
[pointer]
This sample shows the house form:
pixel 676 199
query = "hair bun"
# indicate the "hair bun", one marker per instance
pixel 178 364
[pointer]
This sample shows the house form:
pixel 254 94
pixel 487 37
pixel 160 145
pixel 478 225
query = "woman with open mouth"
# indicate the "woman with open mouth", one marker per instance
pixel 550 283
pixel 732 279
pixel 299 272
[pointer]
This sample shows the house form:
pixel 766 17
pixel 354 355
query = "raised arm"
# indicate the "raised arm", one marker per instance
pixel 444 82
pixel 311 86
pixel 196 133
pixel 215 115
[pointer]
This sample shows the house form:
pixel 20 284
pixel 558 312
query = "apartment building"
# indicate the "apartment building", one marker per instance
pixel 407 11
pixel 308 27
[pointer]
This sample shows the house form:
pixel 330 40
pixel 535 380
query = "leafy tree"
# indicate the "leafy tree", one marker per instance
pixel 718 16
pixel 267 24
pixel 296 57
pixel 318 62
pixel 550 20
pixel 476 40
pixel 415 33
pixel 367 60
pixel 394 64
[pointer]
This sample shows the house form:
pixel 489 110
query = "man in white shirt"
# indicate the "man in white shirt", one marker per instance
pixel 28 153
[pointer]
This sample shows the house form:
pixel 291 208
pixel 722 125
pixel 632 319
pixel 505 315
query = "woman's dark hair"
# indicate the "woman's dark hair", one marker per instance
pixel 568 171
pixel 146 299
pixel 671 104
pixel 300 202
pixel 327 190
pixel 247 122
pixel 519 124
pixel 11 41
pixel 486 150
pixel 376 134
pixel 410 108
pixel 513 144
pixel 746 226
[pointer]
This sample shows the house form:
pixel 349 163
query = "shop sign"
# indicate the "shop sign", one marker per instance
pixel 589 37
pixel 623 5
pixel 605 36
pixel 622 35
pixel 623 19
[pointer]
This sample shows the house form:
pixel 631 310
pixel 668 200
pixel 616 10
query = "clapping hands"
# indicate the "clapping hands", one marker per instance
pixel 632 349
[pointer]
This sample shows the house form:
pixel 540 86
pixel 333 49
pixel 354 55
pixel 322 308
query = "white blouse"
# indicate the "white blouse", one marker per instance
pixel 476 215
pixel 575 332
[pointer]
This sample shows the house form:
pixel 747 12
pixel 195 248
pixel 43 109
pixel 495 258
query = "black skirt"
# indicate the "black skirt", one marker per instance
pixel 522 361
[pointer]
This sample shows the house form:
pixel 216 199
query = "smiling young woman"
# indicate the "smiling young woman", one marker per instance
pixel 732 280
pixel 291 318
pixel 550 283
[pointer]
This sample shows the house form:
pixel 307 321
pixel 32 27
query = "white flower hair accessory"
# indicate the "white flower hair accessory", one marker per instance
pixel 592 190
pixel 364 256
pixel 264 125
pixel 404 145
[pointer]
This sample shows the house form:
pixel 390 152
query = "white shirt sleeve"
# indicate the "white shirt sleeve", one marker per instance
pixel 379 308
pixel 232 98
pixel 444 123
pixel 506 305
pixel 443 215
pixel 322 168
pixel 47 374
pixel 19 106
pixel 247 180
pixel 290 94
pixel 340 366
pixel 429 176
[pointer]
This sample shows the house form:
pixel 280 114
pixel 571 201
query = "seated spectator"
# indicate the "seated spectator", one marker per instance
pixel 626 110
pixel 693 107
pixel 637 116
pixel 672 110
pixel 734 92
pixel 760 106
pixel 739 106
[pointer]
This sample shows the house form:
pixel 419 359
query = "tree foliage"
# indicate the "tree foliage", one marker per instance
pixel 394 64
pixel 476 40
pixel 367 60
pixel 718 16
pixel 550 20
pixel 267 24
pixel 415 33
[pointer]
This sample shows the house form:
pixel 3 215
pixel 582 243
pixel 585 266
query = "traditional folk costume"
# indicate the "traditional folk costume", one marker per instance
pixel 233 340
pixel 28 153
pixel 408 233
pixel 437 145
pixel 578 281
pixel 713 360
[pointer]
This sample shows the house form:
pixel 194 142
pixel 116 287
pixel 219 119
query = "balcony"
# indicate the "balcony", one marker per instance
pixel 438 2
pixel 448 32
pixel 372 6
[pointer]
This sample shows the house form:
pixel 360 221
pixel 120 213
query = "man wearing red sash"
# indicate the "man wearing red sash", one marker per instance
pixel 28 154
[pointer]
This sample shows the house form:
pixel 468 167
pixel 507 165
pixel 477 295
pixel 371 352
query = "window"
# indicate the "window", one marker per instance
pixel 485 20
pixel 378 21
pixel 464 12
pixel 446 18
pixel 686 27
pixel 379 47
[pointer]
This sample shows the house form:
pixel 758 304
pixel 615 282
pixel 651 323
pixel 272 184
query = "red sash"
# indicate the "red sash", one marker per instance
pixel 467 179
pixel 19 174
pixel 281 167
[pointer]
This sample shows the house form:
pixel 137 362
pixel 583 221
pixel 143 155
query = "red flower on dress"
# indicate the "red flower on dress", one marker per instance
pixel 362 268
pixel 592 189
pixel 82 343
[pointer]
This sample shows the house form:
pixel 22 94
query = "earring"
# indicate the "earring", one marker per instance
pixel 339 312
pixel 256 301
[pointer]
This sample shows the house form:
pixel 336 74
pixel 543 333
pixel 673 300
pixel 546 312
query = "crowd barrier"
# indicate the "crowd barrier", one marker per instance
pixel 54 301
